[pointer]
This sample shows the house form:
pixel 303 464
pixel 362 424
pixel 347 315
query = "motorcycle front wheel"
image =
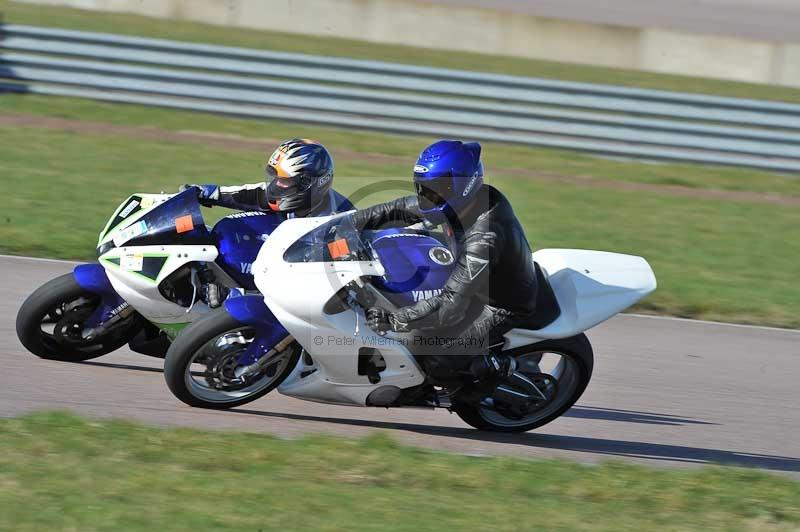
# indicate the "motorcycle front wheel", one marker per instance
pixel 200 367
pixel 50 322
pixel 562 370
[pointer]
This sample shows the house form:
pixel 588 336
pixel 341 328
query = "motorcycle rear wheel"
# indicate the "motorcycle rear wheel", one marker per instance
pixel 63 301
pixel 573 378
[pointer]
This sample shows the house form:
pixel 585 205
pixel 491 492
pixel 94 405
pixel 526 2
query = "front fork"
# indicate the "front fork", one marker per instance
pixel 271 337
pixel 112 309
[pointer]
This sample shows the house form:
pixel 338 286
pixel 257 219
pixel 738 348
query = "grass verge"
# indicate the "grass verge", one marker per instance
pixel 60 472
pixel 709 253
pixel 24 13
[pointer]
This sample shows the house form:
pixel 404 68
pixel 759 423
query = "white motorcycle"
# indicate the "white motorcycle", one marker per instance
pixel 317 277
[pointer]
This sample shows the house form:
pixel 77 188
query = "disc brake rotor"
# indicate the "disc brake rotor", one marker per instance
pixel 70 319
pixel 221 362
pixel 220 375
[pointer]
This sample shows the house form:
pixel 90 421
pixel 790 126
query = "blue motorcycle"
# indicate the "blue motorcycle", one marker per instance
pixel 159 269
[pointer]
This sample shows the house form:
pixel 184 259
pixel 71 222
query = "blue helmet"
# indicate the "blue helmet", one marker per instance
pixel 447 176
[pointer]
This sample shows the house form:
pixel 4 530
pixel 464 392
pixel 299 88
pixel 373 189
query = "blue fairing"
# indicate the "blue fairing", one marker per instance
pixel 411 271
pixel 93 278
pixel 239 238
pixel 251 310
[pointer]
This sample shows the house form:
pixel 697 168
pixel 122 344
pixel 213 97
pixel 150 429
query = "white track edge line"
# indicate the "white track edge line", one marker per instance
pixel 709 322
pixel 39 259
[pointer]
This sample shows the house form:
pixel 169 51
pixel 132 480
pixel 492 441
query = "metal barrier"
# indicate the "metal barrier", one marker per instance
pixel 609 120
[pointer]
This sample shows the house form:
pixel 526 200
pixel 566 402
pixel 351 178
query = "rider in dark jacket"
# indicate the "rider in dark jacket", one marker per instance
pixel 492 287
pixel 298 183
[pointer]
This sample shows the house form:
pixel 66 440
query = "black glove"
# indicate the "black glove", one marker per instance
pixel 379 320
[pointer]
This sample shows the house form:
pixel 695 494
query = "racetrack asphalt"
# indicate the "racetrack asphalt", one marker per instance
pixel 664 392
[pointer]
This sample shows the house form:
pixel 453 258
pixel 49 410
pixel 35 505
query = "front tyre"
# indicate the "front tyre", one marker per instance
pixel 565 365
pixel 200 367
pixel 50 322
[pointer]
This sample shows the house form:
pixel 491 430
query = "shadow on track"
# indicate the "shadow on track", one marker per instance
pixel 626 449
pixel 122 366
pixel 630 416
pixel 581 412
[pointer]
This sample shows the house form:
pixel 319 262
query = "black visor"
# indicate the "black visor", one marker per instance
pixel 433 192
pixel 287 185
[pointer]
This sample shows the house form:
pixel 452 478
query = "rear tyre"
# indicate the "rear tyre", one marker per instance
pixel 572 378
pixel 49 323
pixel 200 375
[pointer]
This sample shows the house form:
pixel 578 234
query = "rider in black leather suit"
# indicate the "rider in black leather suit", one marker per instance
pixel 493 285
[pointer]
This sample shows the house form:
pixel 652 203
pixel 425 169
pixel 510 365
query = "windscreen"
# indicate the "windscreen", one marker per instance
pixel 336 240
pixel 177 220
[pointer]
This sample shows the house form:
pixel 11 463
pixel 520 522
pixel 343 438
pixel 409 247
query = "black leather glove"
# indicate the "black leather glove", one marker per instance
pixel 379 320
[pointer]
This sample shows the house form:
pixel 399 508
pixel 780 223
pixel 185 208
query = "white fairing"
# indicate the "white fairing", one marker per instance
pixel 590 286
pixel 296 294
pixel 123 266
pixel 143 293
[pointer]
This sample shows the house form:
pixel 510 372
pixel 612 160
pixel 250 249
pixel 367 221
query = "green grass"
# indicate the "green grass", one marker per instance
pixel 60 472
pixel 731 260
pixel 22 13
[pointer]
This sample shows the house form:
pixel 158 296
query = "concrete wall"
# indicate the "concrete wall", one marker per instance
pixel 488 31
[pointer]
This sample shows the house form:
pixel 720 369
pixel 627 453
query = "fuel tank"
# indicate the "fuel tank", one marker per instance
pixel 417 265
pixel 239 236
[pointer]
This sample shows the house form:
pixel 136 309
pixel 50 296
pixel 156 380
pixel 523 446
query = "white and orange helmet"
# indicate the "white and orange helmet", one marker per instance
pixel 299 176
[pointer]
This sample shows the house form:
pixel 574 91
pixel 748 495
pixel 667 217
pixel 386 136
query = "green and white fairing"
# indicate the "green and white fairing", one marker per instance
pixel 145 248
